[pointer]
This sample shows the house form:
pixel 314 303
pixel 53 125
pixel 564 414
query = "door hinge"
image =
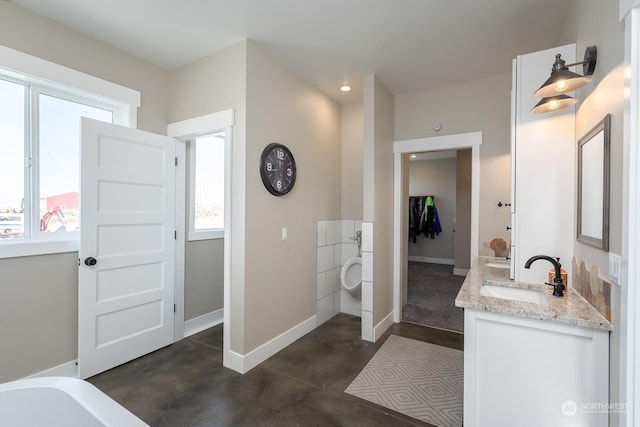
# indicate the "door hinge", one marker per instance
pixel 27 162
pixel 175 234
pixel 176 162
pixel 174 308
pixel 78 262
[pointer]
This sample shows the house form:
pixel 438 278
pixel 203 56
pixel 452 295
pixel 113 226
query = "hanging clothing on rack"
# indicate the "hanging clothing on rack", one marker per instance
pixel 430 219
pixel 423 217
pixel 416 208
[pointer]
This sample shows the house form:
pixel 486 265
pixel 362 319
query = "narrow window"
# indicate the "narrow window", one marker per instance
pixel 207 160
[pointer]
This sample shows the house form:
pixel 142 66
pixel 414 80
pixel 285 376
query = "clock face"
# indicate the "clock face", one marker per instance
pixel 277 169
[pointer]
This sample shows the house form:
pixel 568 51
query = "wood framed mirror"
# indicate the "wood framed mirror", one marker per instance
pixel 593 185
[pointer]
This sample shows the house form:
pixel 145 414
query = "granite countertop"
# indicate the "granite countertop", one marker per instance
pixel 571 309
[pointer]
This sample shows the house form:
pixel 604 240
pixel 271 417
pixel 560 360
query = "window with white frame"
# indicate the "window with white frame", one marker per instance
pixel 41 105
pixel 207 185
pixel 208 141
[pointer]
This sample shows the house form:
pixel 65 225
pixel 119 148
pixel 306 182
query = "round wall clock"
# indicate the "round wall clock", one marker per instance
pixel 277 169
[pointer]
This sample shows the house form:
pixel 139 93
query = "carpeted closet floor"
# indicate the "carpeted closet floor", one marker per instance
pixel 432 290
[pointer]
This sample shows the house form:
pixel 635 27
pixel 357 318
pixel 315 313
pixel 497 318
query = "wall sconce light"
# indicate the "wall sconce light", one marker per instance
pixel 553 103
pixel 562 80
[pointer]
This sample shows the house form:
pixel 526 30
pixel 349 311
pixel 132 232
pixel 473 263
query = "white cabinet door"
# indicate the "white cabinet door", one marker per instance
pixel 126 272
pixel 531 373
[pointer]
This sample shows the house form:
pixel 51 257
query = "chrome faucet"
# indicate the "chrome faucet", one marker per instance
pixel 557 284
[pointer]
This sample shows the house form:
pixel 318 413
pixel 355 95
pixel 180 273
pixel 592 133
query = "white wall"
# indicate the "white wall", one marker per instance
pixel 481 105
pixel 594 22
pixel 436 178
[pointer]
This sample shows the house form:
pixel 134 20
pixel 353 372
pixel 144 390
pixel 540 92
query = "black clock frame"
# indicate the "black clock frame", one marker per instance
pixel 264 173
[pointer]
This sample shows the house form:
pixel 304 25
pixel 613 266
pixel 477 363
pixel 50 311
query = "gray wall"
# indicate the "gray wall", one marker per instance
pixel 378 189
pixel 462 243
pixel 211 84
pixel 204 277
pixel 280 275
pixel 39 314
pixel 39 293
pixel 436 178
pixel 481 105
pixel 351 161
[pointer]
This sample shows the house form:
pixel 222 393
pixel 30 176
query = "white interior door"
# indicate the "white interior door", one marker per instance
pixel 127 238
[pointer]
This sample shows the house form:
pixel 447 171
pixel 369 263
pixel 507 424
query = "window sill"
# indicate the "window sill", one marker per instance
pixel 205 235
pixel 22 248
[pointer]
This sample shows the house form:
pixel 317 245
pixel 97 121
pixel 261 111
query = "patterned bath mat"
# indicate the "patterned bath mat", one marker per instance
pixel 418 379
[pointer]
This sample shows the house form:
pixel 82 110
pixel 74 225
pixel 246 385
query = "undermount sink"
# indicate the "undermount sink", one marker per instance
pixel 497 265
pixel 515 294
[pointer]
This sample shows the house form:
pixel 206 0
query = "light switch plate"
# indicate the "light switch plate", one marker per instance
pixel 614 268
pixel 284 233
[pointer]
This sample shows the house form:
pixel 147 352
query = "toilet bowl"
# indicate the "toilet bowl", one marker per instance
pixel 351 276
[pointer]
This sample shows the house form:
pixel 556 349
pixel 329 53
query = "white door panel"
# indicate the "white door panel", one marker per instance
pixel 126 299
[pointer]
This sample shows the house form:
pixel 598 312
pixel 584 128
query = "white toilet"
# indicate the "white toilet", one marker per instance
pixel 351 276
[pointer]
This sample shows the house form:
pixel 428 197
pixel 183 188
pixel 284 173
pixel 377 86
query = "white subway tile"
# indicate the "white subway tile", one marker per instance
pixel 349 250
pixel 321 235
pixel 333 282
pixel 324 309
pixel 367 296
pixel 367 325
pixel 321 285
pixel 348 231
pixel 367 237
pixel 325 259
pixel 334 232
pixel 337 255
pixel 367 266
pixel 336 302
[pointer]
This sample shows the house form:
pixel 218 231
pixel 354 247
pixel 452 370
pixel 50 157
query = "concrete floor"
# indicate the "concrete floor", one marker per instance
pixel 185 384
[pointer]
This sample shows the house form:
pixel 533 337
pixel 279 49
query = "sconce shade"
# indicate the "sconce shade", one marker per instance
pixel 553 103
pixel 562 80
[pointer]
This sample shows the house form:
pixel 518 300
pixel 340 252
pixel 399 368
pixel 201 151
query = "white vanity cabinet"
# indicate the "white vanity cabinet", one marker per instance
pixel 543 148
pixel 525 372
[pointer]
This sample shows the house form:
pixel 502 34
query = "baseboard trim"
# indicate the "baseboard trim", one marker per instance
pixel 67 369
pixel 200 323
pixel 382 327
pixel 431 260
pixel 460 271
pixel 244 363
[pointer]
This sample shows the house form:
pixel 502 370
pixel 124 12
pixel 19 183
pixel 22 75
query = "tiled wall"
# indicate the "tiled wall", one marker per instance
pixel 591 286
pixel 335 245
pixel 367 281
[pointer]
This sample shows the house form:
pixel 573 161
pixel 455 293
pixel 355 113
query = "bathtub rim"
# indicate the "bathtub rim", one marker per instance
pixel 92 399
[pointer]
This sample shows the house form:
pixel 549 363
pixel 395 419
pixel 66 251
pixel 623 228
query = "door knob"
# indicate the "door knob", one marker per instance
pixel 90 261
pixel 508 228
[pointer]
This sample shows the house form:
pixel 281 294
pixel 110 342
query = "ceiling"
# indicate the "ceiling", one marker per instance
pixel 409 44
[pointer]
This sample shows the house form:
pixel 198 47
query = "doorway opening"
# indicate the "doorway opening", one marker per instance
pixel 439 207
pixel 402 151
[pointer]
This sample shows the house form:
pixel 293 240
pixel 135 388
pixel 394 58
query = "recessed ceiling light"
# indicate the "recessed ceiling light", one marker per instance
pixel 345 88
pixel 413 156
